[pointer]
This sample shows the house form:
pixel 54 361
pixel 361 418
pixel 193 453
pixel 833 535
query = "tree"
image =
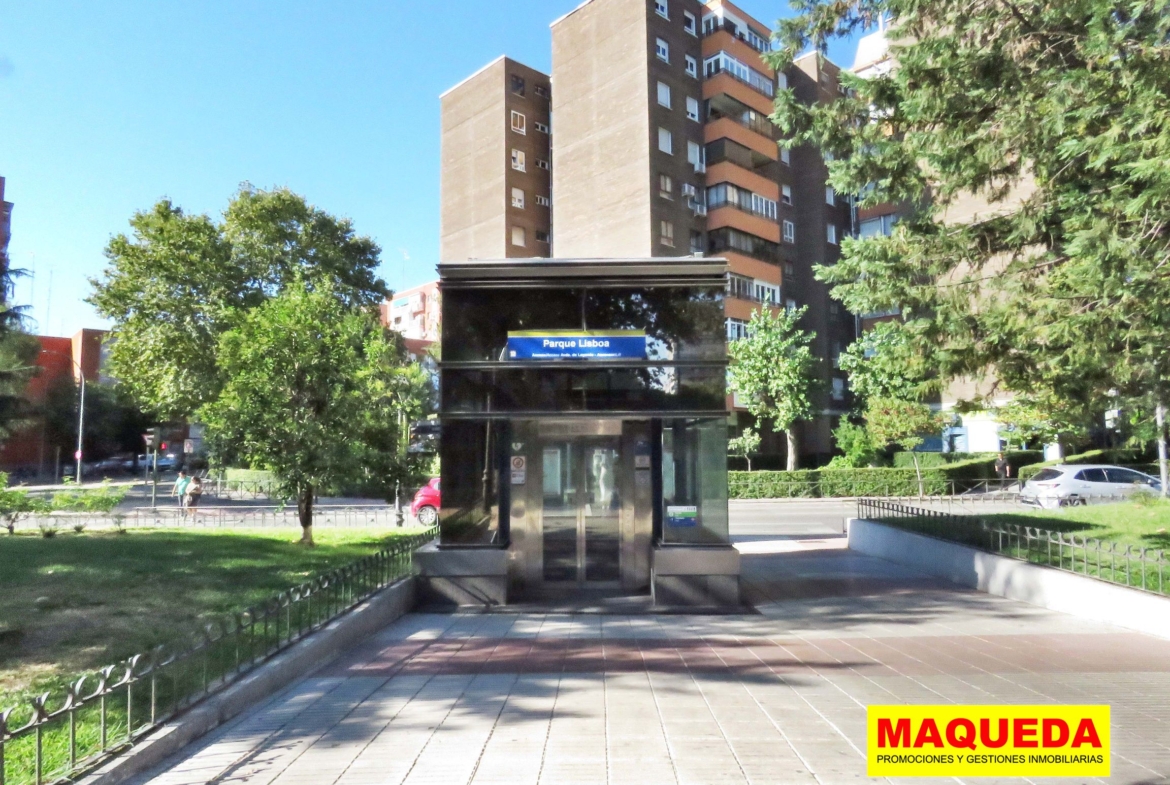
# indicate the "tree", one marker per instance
pixel 179 282
pixel 745 445
pixel 773 370
pixel 1055 114
pixel 309 393
pixel 903 423
pixel 18 358
pixel 1043 419
pixel 857 444
pixel 883 364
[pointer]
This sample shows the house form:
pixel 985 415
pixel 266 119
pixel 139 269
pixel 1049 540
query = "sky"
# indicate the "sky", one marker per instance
pixel 105 108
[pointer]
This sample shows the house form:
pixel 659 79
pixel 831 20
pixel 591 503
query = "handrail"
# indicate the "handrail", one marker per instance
pixel 100 714
pixel 1146 569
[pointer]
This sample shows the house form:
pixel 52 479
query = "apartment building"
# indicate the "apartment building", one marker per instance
pixel 664 148
pixel 496 160
pixel 5 235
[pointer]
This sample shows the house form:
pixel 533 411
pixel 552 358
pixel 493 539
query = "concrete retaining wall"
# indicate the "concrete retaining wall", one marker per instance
pixel 268 679
pixel 1062 591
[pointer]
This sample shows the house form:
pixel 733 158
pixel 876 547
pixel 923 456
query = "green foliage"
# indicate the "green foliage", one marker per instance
pixel 310 395
pixel 773 370
pixel 179 282
pixel 1040 420
pixel 903 423
pixel 104 498
pixel 18 356
pixel 16 504
pixel 884 364
pixel 745 445
pixel 927 460
pixel 1055 114
pixel 855 442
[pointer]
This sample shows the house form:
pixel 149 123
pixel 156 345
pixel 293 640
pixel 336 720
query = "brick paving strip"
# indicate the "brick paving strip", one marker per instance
pixel 773 698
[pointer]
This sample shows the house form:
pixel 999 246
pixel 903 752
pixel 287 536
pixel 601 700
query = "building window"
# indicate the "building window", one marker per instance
pixel 736 329
pixel 518 85
pixel 697 156
pixel 518 236
pixel 789 232
pixel 541 127
pixel 518 161
pixel 661 8
pixel 696 242
pixel 665 186
pixel 789 269
pixel 518 198
pixel 882 226
pixel 690 24
pixel 666 233
pixel 791 304
pixel 541 164
pixel 665 141
pixel 838 389
pixel 767 293
pixel 540 91
pixel 785 156
pixel 831 234
pixel 693 109
pixel 519 123
pixel 830 196
pixel 692 67
pixel 786 194
pixel 543 201
pixel 664 95
pixel 541 237
pixel 835 309
pixel 662 49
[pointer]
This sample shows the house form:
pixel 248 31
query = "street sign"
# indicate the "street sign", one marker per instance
pixel 148 437
pixel 519 470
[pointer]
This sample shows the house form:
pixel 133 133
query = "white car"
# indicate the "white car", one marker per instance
pixel 1072 486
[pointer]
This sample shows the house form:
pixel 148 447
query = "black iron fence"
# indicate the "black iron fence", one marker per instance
pixel 1147 569
pixel 60 733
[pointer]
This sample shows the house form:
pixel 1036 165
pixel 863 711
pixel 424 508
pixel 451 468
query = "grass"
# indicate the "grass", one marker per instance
pixel 1143 524
pixel 74 603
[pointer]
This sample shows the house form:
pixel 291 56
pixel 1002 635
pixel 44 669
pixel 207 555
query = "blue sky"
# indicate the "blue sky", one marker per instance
pixel 107 107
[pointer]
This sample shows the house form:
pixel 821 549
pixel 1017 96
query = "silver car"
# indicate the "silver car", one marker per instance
pixel 1072 486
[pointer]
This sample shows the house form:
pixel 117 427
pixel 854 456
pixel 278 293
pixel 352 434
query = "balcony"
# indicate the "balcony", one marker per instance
pixel 727 150
pixel 728 239
pixel 758 42
pixel 725 107
pixel 724 63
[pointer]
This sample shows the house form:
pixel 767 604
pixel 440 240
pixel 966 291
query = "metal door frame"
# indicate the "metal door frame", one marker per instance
pixel 580 443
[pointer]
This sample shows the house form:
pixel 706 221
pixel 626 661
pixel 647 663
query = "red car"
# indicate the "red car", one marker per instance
pixel 425 507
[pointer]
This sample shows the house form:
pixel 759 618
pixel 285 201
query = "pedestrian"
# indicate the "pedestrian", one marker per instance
pixel 1003 469
pixel 180 490
pixel 194 491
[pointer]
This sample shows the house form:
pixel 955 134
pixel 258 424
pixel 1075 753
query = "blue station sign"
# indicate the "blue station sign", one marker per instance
pixel 577 345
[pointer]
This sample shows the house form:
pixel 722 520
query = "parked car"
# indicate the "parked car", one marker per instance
pixel 425 507
pixel 1073 486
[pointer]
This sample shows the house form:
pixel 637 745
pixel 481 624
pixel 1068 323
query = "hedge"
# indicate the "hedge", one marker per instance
pixel 831 483
pixel 258 476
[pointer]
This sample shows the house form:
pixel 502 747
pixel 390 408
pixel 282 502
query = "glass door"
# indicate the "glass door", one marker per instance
pixel 582 511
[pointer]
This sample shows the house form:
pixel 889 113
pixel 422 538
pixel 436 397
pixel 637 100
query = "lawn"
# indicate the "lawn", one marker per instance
pixel 1144 524
pixel 77 602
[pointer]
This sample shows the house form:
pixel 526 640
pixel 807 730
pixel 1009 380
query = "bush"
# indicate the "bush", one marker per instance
pixel 983 468
pixel 836 483
pixel 102 499
pixel 772 485
pixel 927 460
pixel 250 476
pixel 1092 456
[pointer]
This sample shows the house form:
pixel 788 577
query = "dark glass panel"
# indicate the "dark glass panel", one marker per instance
pixel 694 482
pixel 474 459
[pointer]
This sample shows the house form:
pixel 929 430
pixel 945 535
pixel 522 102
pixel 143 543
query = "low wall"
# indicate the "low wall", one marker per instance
pixel 266 680
pixel 1002 576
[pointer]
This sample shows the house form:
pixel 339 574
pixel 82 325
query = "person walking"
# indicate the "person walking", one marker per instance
pixel 181 484
pixel 194 491
pixel 1003 469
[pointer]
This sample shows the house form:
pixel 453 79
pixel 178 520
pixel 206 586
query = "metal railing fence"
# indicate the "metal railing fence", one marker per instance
pixel 741 486
pixel 1147 569
pixel 172 517
pixel 59 733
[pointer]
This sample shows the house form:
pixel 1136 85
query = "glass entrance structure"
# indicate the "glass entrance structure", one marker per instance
pixel 584 431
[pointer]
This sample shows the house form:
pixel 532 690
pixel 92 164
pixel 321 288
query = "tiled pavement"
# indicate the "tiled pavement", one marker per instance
pixel 777 697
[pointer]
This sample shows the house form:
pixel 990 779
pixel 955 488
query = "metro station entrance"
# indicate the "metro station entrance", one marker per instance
pixel 581 512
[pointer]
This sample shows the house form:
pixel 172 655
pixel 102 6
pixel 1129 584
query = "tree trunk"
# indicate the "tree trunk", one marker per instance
pixel 918 471
pixel 793 448
pixel 749 460
pixel 1163 463
pixel 305 513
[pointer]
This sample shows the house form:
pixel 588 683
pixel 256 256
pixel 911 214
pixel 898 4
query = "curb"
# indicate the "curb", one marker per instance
pixel 304 657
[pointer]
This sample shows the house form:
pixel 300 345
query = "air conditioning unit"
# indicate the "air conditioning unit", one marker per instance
pixel 689 190
pixel 699 208
pixel 700 167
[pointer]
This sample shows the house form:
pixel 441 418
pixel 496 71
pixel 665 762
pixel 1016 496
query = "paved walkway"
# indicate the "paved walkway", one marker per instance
pixel 777 697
